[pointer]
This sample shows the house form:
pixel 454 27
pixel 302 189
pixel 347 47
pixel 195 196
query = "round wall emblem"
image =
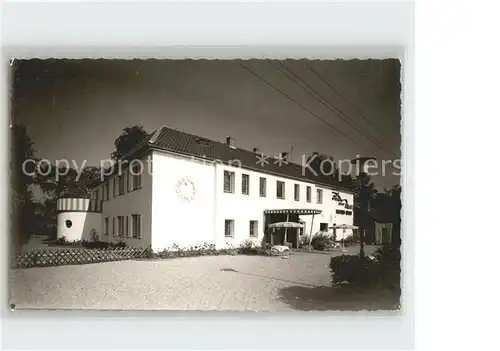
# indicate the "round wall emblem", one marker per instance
pixel 186 189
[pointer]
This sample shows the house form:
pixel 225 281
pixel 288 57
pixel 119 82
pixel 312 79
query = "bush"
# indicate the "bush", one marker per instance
pixel 320 241
pixel 389 262
pixel 94 235
pixel 103 245
pixel 354 270
pixel 250 247
pixel 382 270
pixel 304 241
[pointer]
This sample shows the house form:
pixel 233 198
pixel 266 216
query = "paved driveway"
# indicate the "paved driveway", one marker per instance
pixel 196 283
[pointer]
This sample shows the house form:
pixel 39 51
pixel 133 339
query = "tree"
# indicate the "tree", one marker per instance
pixel 394 208
pixel 67 183
pixel 21 181
pixel 130 137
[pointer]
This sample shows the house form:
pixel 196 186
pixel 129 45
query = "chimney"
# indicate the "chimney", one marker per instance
pixel 230 141
pixel 257 151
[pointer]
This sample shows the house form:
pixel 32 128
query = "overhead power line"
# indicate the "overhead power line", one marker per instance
pixel 360 113
pixel 300 105
pixel 312 92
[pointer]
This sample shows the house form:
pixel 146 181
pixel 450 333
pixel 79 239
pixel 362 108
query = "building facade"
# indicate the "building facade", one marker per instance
pixel 183 190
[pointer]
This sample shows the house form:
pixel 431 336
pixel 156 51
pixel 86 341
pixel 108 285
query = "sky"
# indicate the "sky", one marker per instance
pixel 75 109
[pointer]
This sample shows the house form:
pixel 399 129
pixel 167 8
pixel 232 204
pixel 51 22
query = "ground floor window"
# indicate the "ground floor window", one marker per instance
pixel 302 229
pixel 323 227
pixel 121 226
pixel 229 228
pixel 136 226
pixel 106 226
pixel 254 227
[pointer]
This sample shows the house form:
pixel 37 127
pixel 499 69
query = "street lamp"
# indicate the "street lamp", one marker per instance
pixel 360 162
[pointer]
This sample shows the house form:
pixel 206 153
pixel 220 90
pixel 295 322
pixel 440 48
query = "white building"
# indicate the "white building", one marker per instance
pixel 193 191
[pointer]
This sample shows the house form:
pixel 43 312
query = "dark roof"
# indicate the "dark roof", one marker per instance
pixel 172 140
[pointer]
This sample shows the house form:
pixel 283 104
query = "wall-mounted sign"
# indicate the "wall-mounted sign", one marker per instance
pixel 342 202
pixel 186 189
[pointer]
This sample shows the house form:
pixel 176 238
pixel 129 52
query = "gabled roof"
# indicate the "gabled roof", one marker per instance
pixel 172 140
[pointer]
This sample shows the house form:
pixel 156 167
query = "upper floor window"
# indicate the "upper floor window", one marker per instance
pixel 296 192
pixel 105 189
pixel 121 184
pixel 136 175
pixel 229 182
pixel 319 194
pixel 308 194
pixel 280 189
pixel 245 184
pixel 262 187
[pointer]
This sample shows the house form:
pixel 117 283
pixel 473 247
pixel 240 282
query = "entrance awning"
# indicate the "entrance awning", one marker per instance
pixel 299 211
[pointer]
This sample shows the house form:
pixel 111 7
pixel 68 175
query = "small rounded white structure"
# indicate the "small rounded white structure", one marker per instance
pixel 79 219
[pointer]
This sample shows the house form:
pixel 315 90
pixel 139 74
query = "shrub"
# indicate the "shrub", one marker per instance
pixel 94 235
pixel 320 241
pixel 103 245
pixel 382 270
pixel 250 247
pixel 304 241
pixel 389 262
pixel 354 270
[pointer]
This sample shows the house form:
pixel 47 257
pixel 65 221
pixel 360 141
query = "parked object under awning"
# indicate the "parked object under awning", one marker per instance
pixel 344 227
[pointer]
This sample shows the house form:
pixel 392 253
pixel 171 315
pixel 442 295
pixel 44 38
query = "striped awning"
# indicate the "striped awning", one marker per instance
pixel 79 205
pixel 300 211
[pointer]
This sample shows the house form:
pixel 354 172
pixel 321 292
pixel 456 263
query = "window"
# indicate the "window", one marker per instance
pixel 136 175
pixel 319 194
pixel 229 228
pixel 254 228
pixel 229 182
pixel 121 184
pixel 114 226
pixel 280 189
pixel 245 184
pixel 340 212
pixel 106 226
pixel 308 194
pixel 106 191
pixel 303 228
pixel 323 227
pixel 349 213
pixel 115 186
pixel 68 223
pixel 136 226
pixel 121 226
pixel 296 192
pixel 262 187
